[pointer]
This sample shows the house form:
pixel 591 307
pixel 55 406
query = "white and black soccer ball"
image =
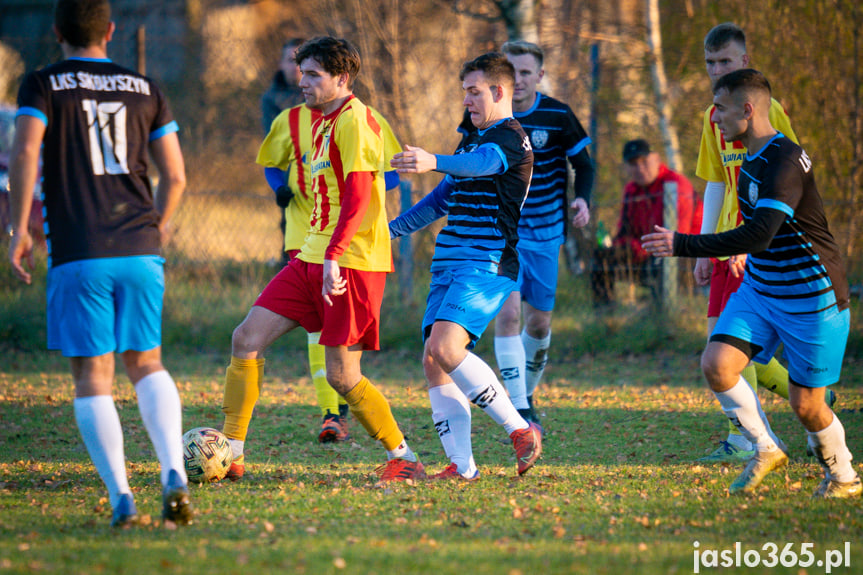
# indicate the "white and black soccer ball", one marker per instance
pixel 206 454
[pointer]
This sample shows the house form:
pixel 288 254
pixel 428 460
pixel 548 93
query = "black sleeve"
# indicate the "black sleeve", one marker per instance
pixel 584 174
pixel 751 238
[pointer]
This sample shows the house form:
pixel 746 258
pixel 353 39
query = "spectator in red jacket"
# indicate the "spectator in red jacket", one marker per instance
pixel 641 209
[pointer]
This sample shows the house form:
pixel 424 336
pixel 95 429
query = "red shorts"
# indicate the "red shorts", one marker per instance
pixel 722 285
pixel 354 317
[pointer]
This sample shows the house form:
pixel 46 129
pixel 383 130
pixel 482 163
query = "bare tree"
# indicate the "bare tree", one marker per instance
pixel 660 86
pixel 518 16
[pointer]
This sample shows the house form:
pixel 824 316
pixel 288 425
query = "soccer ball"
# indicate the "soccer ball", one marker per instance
pixel 206 454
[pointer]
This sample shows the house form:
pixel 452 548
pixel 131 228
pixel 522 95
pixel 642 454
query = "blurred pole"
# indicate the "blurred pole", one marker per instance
pixel 141 48
pixel 594 91
pixel 406 263
pixel 669 265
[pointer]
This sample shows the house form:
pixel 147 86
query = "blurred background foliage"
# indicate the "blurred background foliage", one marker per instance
pixel 214 59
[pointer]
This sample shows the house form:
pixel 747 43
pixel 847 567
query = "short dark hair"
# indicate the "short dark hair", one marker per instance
pixel 747 79
pixel 723 34
pixel 82 23
pixel 495 66
pixel 335 55
pixel 521 47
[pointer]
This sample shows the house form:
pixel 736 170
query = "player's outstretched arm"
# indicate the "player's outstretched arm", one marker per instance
pixel 660 243
pixel 432 207
pixel 414 160
pixel 752 237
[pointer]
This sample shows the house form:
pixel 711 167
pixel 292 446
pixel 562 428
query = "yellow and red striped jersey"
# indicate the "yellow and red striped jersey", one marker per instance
pixel 288 146
pixel 346 141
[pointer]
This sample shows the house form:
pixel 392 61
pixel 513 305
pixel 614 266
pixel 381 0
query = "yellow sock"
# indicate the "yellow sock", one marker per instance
pixel 242 389
pixel 328 399
pixel 773 376
pixel 371 409
pixel 749 375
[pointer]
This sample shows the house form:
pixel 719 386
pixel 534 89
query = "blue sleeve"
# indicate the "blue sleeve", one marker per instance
pixel 486 160
pixel 424 212
pixel 275 177
pixel 391 179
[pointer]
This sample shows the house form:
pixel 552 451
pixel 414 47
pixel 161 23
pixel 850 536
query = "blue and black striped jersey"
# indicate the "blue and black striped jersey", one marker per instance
pixel 794 260
pixel 482 226
pixel 555 135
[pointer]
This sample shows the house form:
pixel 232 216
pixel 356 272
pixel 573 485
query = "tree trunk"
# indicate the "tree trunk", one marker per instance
pixel 660 86
pixel 520 19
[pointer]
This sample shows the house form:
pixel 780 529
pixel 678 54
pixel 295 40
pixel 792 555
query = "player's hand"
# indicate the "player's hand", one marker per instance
pixel 413 161
pixel 334 284
pixel 21 254
pixel 166 232
pixel 737 264
pixel 284 195
pixel 660 243
pixel 702 271
pixel 580 213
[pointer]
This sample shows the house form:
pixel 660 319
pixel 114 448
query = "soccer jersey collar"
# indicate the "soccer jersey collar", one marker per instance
pixel 530 110
pixel 338 110
pixel 82 59
pixel 750 157
pixel 501 121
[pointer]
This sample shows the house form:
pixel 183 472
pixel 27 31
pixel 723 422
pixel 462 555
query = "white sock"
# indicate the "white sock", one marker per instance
pixel 536 352
pixel 509 353
pixel 832 452
pixel 451 417
pixel 478 382
pixel 402 451
pixel 159 404
pixel 741 406
pixel 102 433
pixel 237 446
pixel 739 442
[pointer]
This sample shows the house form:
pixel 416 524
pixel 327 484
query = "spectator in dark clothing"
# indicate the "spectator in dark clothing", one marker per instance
pixel 642 208
pixel 284 91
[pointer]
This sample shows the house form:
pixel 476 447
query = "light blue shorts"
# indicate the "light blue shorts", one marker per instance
pixel 468 297
pixel 101 305
pixel 537 276
pixel 814 344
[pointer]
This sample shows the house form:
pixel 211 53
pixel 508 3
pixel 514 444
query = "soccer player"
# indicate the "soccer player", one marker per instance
pixel 475 263
pixel 285 155
pixel 97 122
pixel 793 292
pixel 556 137
pixel 335 284
pixel 719 165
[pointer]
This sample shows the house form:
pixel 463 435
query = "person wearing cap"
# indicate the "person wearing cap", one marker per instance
pixel 641 209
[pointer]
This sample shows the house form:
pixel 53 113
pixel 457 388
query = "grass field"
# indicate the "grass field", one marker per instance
pixel 625 410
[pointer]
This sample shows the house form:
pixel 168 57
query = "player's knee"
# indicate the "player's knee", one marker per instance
pixel 245 341
pixel 338 382
pixel 443 353
pixel 805 406
pixel 507 322
pixel 715 372
pixel 538 327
